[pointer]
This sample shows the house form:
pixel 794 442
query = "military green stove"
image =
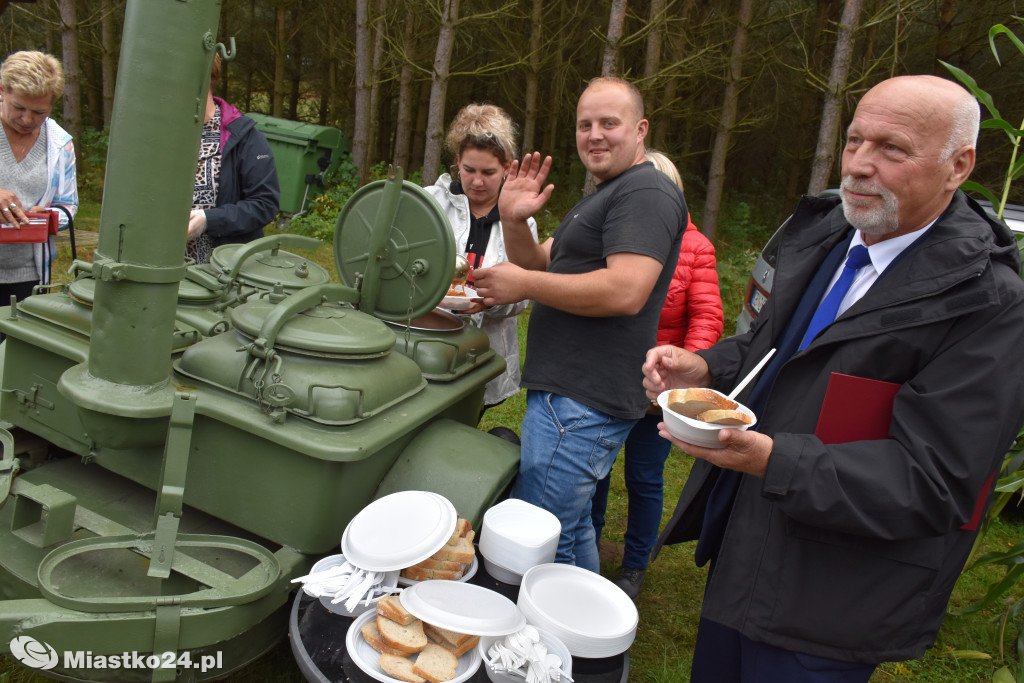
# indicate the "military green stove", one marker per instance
pixel 187 439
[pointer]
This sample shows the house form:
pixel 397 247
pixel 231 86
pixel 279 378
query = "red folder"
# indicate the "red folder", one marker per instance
pixel 855 409
pixel 860 409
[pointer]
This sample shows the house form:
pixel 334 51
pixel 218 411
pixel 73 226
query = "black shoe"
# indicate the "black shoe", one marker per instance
pixel 631 580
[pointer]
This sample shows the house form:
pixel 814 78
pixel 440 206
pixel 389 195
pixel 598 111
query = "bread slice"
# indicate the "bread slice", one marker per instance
pixel 421 573
pixel 372 637
pixel 391 606
pixel 462 528
pixel 449 565
pixel 694 401
pixel 462 551
pixel 435 664
pixel 407 639
pixel 457 643
pixel 399 667
pixel 724 417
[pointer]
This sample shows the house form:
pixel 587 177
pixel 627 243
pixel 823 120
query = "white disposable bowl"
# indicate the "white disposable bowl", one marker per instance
pixel 502 574
pixel 516 535
pixel 694 431
pixel 366 658
pixel 390 581
pixel 550 640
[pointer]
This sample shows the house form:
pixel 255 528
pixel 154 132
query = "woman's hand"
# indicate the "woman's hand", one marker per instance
pixel 11 210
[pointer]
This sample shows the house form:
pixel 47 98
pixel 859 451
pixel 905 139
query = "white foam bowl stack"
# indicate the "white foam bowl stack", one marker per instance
pixel 515 536
pixel 692 430
pixel 550 641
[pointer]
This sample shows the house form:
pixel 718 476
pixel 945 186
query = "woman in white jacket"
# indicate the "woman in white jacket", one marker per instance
pixel 482 137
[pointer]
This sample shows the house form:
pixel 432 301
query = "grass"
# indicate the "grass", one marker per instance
pixel 669 604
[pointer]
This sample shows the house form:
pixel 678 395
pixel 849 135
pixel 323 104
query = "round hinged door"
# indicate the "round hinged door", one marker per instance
pixel 268 268
pixel 395 242
pixel 332 329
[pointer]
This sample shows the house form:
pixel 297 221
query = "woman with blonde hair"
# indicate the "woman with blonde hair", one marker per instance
pixel 37 165
pixel 482 139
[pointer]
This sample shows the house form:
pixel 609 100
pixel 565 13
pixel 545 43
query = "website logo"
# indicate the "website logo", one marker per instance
pixel 33 653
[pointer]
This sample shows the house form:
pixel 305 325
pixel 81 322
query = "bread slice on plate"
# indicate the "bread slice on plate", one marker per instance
pixel 407 639
pixel 725 417
pixel 458 643
pixel 400 668
pixel 435 664
pixel 391 606
pixel 696 400
pixel 372 637
pixel 462 551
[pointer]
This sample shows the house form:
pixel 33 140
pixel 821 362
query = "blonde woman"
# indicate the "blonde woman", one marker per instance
pixel 37 164
pixel 482 139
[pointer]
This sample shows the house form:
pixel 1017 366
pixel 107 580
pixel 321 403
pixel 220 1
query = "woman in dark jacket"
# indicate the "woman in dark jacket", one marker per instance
pixel 236 191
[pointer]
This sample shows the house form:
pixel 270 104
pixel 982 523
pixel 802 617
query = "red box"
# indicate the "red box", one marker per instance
pixel 41 225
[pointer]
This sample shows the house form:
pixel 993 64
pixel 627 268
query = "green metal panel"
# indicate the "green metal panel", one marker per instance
pixel 303 154
pixel 469 467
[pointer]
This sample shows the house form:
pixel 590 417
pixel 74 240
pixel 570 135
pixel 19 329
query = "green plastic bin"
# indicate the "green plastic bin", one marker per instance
pixel 303 154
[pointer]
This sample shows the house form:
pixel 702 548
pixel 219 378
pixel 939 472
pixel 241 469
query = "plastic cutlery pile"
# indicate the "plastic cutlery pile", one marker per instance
pixel 522 654
pixel 345 583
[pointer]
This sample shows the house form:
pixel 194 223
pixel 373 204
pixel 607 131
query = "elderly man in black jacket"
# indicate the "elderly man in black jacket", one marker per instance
pixel 837 527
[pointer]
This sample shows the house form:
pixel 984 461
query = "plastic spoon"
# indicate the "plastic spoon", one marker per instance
pixel 750 375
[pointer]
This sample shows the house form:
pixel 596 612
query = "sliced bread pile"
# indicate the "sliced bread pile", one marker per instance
pixel 412 650
pixel 451 561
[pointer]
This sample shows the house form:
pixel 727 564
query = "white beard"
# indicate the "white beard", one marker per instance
pixel 876 221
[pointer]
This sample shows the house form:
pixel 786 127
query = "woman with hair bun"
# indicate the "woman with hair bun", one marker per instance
pixel 482 139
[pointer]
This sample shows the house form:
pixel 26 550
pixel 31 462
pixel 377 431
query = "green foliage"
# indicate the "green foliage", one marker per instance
pixel 91 164
pixel 1011 475
pixel 320 218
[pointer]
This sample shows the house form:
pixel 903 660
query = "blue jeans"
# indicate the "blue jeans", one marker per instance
pixel 567 448
pixel 645 453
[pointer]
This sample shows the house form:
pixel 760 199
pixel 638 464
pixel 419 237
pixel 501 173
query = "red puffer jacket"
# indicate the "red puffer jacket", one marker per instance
pixel 692 315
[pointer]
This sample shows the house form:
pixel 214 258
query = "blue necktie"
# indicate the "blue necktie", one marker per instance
pixel 826 313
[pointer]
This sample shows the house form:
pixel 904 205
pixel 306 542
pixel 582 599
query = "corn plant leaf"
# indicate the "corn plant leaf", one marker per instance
pixel 995 591
pixel 1011 483
pixel 999 124
pixel 968 654
pixel 1000 29
pixel 1018 168
pixel 1003 675
pixel 975 89
pixel 970 186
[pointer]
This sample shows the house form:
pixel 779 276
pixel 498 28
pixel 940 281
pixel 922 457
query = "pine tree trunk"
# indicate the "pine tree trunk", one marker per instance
pixel 832 111
pixel 72 82
pixel 730 103
pixel 361 129
pixel 438 90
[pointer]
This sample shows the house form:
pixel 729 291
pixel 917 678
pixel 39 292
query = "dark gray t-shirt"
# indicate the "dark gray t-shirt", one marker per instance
pixel 598 361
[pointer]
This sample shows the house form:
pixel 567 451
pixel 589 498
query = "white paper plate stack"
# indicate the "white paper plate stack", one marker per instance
pixel 587 612
pixel 516 536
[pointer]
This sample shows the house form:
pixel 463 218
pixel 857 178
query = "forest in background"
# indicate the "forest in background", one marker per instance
pixel 749 98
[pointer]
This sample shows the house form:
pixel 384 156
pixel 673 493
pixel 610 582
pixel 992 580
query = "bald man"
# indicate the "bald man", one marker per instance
pixel 597 286
pixel 835 538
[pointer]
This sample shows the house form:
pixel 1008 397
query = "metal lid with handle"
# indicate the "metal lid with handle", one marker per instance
pixel 394 244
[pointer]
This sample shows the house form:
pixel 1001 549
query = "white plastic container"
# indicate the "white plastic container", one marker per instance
pixel 515 536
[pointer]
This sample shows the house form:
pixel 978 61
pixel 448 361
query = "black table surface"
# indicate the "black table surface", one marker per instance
pixel 317 638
